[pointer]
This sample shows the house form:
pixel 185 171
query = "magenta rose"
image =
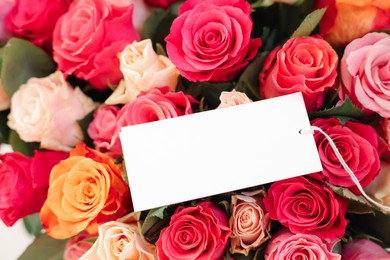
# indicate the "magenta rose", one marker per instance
pixel 357 143
pixel 24 182
pixel 286 245
pixel 103 127
pixel 34 20
pixel 306 205
pixel 210 39
pixel 161 3
pixel 365 73
pixel 88 38
pixel 198 232
pixel 153 105
pixel 306 64
pixel 363 249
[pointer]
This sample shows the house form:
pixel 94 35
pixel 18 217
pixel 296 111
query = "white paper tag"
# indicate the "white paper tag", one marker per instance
pixel 218 151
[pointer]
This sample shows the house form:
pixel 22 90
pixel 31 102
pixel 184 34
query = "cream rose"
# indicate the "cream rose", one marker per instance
pixel 4 99
pixel 249 222
pixel 143 70
pixel 233 98
pixel 122 240
pixel 380 186
pixel 43 109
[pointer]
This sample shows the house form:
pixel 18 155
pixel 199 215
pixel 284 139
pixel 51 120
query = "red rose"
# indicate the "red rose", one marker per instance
pixel 210 39
pixel 306 205
pixel 161 3
pixel 199 232
pixel 306 64
pixel 34 20
pixel 89 36
pixel 357 143
pixel 153 105
pixel 24 182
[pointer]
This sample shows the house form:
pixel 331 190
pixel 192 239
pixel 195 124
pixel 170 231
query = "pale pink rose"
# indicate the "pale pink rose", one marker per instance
pixel 43 109
pixel 249 222
pixel 5 7
pixel 143 70
pixel 364 249
pixel 77 246
pixel 365 74
pixel 286 245
pixel 233 98
pixel 4 99
pixel 380 186
pixel 122 240
pixel 103 128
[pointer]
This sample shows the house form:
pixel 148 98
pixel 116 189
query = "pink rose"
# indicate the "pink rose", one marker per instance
pixel 286 245
pixel 88 38
pixel 24 182
pixel 233 98
pixel 156 104
pixel 357 143
pixel 5 7
pixel 34 20
pixel 364 249
pixel 210 39
pixel 249 222
pixel 365 75
pixel 43 109
pixel 306 205
pixel 77 246
pixel 161 3
pixel 198 232
pixel 103 128
pixel 306 64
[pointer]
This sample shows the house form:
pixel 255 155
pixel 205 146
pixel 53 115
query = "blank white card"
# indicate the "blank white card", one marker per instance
pixel 218 151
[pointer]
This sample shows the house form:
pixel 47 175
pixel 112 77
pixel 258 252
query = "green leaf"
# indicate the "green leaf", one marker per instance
pixel 262 3
pixel 345 111
pixel 356 203
pixel 160 50
pixel 4 129
pixel 44 247
pixel 18 145
pixel 84 123
pixel 309 23
pixel 33 224
pixel 158 25
pixel 21 61
pixel 208 91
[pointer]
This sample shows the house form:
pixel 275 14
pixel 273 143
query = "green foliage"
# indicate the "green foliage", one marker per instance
pixel 44 247
pixel 157 25
pixel 356 203
pixel 309 23
pixel 18 145
pixel 4 129
pixel 33 224
pixel 21 61
pixel 84 123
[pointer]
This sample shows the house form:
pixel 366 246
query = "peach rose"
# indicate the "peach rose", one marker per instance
pixel 233 98
pixel 43 109
pixel 4 99
pixel 85 190
pixel 143 70
pixel 121 239
pixel 249 222
pixel 380 186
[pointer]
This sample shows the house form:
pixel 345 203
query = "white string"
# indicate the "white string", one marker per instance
pixel 345 165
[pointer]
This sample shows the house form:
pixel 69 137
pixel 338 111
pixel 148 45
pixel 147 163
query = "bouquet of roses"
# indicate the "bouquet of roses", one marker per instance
pixel 74 72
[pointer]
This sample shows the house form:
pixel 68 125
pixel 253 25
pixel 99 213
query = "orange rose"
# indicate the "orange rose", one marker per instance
pixel 85 190
pixel 346 20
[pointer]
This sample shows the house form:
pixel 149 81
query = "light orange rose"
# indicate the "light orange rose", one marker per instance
pixel 233 98
pixel 121 239
pixel 85 190
pixel 143 70
pixel 249 222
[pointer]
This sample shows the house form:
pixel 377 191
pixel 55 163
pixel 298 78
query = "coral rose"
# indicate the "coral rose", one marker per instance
pixel 249 222
pixel 43 109
pixel 86 190
pixel 346 20
pixel 198 232
pixel 365 74
pixel 88 37
pixel 143 70
pixel 306 205
pixel 233 98
pixel 286 245
pixel 357 143
pixel 306 64
pixel 121 239
pixel 210 39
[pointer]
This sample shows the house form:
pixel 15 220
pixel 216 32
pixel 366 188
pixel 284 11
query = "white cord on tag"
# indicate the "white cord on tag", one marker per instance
pixel 345 165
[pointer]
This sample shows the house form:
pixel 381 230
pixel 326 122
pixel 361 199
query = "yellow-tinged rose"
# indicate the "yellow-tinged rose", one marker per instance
pixel 85 190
